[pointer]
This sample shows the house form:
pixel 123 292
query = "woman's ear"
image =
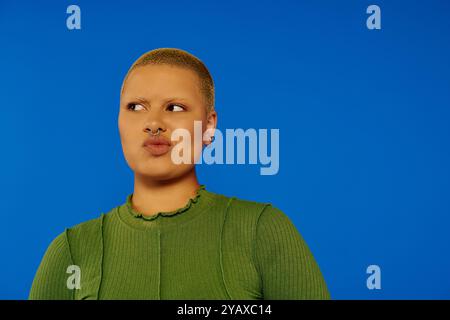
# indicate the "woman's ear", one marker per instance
pixel 211 124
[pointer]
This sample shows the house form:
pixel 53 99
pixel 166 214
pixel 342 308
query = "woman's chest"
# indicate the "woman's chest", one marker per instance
pixel 210 263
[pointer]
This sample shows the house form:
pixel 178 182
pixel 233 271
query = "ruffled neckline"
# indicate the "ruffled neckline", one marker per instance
pixel 191 203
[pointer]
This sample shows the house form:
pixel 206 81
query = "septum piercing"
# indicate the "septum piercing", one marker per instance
pixel 154 134
pixel 157 133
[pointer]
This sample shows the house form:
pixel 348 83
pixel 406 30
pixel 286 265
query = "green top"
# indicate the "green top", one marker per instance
pixel 215 247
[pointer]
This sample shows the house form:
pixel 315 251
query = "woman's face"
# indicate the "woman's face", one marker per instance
pixel 160 96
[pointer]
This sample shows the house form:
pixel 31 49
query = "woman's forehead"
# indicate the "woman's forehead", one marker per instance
pixel 162 79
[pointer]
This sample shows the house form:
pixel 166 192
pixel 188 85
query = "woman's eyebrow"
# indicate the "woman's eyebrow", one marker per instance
pixel 141 99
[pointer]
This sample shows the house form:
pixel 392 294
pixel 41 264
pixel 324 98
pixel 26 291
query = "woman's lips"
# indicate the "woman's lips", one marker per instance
pixel 157 149
pixel 157 145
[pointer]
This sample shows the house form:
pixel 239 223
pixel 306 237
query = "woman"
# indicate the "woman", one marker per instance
pixel 172 238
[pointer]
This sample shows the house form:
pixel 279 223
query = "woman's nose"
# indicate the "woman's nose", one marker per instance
pixel 155 121
pixel 154 132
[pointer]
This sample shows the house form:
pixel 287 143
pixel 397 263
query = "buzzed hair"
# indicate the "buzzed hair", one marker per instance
pixel 183 59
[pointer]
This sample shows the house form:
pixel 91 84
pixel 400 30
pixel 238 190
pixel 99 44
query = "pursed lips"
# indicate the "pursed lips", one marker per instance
pixel 157 145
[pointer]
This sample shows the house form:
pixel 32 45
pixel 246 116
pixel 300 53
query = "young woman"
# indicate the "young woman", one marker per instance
pixel 172 238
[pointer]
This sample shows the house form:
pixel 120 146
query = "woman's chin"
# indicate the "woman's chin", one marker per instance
pixel 160 172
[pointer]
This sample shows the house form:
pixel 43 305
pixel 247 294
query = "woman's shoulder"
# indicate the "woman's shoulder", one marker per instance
pixel 87 226
pixel 64 244
pixel 244 204
pixel 82 236
pixel 244 207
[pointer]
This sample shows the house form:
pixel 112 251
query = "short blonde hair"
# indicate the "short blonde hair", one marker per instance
pixel 183 59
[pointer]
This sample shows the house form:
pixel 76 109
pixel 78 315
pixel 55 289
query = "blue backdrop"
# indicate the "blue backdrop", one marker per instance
pixel 363 118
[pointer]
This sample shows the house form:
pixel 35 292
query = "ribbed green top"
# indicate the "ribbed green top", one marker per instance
pixel 214 247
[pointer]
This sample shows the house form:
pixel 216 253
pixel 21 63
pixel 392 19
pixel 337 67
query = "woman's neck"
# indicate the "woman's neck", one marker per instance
pixel 151 196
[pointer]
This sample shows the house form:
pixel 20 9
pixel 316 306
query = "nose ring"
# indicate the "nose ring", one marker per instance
pixel 151 131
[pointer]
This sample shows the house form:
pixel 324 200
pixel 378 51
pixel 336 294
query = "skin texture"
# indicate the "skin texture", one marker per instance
pixel 158 94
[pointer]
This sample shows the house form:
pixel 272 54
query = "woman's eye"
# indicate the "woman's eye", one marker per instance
pixel 176 107
pixel 135 107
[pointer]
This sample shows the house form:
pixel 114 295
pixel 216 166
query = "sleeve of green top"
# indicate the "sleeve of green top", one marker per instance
pixel 287 266
pixel 50 281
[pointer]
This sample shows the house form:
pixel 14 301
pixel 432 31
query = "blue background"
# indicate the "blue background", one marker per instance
pixel 363 118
